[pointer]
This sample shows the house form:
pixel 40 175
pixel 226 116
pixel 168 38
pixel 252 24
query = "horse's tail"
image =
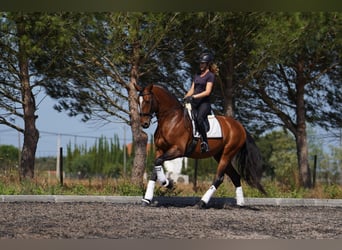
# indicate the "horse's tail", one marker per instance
pixel 249 163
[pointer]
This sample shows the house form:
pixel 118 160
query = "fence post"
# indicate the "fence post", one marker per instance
pixel 61 165
pixel 195 175
pixel 314 171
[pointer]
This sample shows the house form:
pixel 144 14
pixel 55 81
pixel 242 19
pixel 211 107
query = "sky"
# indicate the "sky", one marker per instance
pixel 57 129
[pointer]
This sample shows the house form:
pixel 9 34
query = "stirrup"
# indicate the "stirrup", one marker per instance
pixel 204 147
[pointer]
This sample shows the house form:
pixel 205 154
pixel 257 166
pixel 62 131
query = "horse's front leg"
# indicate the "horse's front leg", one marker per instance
pixel 157 175
pixel 150 189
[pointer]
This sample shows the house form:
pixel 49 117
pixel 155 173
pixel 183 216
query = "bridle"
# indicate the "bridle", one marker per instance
pixel 150 113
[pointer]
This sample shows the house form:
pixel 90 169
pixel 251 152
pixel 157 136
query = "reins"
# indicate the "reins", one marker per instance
pixel 150 114
pixel 158 114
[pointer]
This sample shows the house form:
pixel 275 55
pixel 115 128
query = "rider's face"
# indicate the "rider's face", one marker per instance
pixel 203 66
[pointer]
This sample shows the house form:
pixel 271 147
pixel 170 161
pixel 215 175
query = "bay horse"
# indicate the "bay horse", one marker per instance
pixel 236 152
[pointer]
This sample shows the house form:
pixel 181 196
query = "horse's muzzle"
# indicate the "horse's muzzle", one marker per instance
pixel 145 124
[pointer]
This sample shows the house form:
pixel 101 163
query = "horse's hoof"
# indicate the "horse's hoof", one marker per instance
pixel 201 205
pixel 240 204
pixel 171 184
pixel 145 202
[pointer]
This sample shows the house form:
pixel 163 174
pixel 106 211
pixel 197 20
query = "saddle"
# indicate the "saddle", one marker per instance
pixel 211 124
pixel 212 127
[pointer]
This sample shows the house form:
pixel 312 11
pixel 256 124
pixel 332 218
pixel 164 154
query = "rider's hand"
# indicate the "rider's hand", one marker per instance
pixel 189 99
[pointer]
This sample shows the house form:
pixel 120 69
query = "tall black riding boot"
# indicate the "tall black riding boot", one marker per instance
pixel 204 144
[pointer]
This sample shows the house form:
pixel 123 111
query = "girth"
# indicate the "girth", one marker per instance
pixel 191 146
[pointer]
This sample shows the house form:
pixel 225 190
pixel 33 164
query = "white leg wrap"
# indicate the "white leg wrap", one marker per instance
pixel 166 183
pixel 240 201
pixel 206 197
pixel 149 190
pixel 160 174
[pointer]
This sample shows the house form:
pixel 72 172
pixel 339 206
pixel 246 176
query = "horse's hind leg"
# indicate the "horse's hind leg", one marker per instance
pixel 224 164
pixel 214 186
pixel 216 183
pixel 236 179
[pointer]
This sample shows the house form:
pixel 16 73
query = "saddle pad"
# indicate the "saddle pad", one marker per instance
pixel 215 128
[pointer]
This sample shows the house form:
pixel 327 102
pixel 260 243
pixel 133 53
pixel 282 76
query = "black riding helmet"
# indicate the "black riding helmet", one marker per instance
pixel 206 57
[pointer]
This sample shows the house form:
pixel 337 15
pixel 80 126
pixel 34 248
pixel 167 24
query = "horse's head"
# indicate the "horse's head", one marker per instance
pixel 147 105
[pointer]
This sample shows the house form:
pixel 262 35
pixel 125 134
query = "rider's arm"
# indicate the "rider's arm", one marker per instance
pixel 191 90
pixel 206 92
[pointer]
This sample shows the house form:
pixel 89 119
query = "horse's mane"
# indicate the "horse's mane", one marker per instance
pixel 167 92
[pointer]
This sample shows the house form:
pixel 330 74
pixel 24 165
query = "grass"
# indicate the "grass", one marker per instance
pixel 45 185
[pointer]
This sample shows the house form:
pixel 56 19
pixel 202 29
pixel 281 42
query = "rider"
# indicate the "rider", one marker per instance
pixel 199 95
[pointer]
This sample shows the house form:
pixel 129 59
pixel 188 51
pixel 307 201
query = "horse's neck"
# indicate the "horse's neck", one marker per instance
pixel 166 102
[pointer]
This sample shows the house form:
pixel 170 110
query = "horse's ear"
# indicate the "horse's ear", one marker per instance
pixel 149 87
pixel 137 87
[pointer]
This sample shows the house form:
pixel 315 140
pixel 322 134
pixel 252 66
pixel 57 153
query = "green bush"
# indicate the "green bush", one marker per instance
pixel 334 191
pixel 128 189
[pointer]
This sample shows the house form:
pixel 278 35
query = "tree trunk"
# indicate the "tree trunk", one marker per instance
pixel 302 154
pixel 139 141
pixel 31 134
pixel 301 137
pixel 140 138
pixel 228 83
pixel 139 162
